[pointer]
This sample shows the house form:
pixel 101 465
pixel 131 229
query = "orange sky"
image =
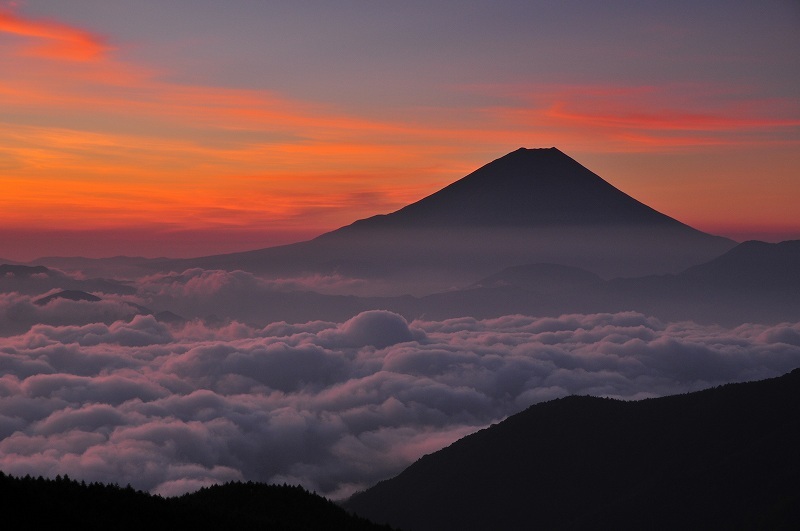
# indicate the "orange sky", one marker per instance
pixel 101 154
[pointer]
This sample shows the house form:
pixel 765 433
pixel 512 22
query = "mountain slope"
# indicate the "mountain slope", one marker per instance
pixel 752 265
pixel 723 458
pixel 754 282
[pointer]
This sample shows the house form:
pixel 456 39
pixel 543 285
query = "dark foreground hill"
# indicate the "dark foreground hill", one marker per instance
pixel 723 458
pixel 37 503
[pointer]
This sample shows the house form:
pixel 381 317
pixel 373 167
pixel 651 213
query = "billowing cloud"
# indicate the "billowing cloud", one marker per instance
pixel 333 406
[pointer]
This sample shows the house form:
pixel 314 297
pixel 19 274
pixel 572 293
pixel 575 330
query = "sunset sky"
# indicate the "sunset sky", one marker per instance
pixel 195 127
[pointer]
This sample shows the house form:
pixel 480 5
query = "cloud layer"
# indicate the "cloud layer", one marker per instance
pixel 333 406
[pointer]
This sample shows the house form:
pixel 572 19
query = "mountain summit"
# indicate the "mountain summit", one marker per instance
pixel 527 188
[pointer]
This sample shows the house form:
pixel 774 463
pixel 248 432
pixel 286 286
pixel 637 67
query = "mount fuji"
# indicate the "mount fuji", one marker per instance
pixel 529 206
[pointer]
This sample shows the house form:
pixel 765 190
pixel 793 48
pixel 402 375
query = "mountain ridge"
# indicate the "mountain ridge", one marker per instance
pixel 64 502
pixel 753 264
pixel 720 458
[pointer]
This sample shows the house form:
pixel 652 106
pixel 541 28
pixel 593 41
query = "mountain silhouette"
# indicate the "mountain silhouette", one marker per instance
pixel 532 205
pixel 36 280
pixel 710 293
pixel 22 271
pixel 77 296
pixel 752 265
pixel 723 458
pixel 68 294
pixel 526 188
pixel 754 282
pixel 64 502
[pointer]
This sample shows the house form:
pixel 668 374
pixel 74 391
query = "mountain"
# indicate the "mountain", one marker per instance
pixel 26 272
pixel 64 503
pixel 723 458
pixel 766 292
pixel 754 282
pixel 526 188
pixel 34 280
pixel 70 295
pixel 137 309
pixel 752 265
pixel 532 205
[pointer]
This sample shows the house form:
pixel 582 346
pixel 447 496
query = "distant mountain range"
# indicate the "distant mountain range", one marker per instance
pixel 533 232
pixel 753 282
pixel 723 458
pixel 39 279
pixel 752 265
pixel 525 188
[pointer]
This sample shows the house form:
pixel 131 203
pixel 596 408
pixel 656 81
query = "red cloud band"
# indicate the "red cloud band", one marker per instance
pixel 54 40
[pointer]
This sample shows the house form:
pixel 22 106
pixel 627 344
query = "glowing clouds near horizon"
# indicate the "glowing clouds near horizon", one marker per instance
pixel 332 406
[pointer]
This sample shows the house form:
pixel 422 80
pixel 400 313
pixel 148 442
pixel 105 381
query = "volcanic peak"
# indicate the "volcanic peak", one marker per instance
pixel 526 188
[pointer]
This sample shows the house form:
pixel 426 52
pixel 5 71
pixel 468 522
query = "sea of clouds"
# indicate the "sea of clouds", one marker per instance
pixel 91 390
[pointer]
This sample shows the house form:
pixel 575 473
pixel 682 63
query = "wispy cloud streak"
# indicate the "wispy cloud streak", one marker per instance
pixel 53 40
